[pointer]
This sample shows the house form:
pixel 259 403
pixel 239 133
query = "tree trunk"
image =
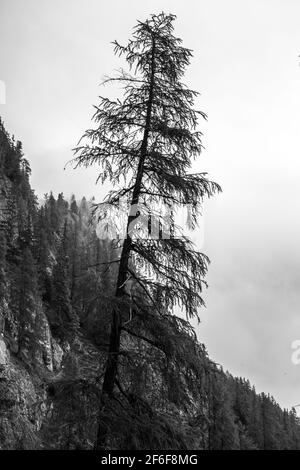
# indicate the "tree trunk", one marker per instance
pixel 116 325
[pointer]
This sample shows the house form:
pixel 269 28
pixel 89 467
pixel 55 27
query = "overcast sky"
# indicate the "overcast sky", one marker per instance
pixel 53 54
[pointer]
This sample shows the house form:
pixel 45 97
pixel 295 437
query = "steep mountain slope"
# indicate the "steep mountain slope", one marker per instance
pixel 56 296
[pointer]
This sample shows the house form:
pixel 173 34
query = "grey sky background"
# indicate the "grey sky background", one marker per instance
pixel 53 55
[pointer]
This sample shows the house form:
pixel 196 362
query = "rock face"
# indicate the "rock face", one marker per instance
pixel 19 398
pixel 27 368
pixel 57 355
pixel 3 352
pixel 49 392
pixel 43 355
pixel 24 401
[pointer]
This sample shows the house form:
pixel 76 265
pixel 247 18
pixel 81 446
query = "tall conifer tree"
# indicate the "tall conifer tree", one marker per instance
pixel 146 142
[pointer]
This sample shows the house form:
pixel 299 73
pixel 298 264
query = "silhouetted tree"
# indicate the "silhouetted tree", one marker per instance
pixel 148 141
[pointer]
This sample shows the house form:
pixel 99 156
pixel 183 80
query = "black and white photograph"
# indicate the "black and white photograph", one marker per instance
pixel 149 228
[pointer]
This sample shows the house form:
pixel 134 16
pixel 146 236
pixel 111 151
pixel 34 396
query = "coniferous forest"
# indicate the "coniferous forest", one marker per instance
pixel 96 345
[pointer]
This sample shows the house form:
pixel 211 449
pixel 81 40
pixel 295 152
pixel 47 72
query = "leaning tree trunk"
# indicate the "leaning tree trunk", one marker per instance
pixel 116 324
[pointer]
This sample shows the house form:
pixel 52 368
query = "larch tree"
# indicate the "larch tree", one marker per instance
pixel 144 144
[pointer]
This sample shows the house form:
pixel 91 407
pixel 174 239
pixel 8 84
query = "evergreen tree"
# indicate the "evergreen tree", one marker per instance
pixel 223 432
pixel 148 140
pixel 62 208
pixel 2 265
pixel 43 258
pixel 53 224
pixel 3 280
pixel 27 297
pixel 73 205
pixel 64 320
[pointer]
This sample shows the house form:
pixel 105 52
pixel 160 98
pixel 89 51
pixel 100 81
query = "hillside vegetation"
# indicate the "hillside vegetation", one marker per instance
pixel 56 287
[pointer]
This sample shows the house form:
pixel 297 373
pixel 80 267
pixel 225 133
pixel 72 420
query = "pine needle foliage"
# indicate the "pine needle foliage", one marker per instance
pixel 144 144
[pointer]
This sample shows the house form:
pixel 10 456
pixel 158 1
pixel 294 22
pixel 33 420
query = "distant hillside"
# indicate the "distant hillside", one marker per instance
pixel 56 293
